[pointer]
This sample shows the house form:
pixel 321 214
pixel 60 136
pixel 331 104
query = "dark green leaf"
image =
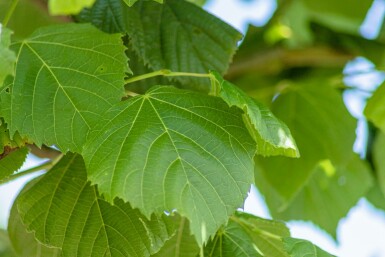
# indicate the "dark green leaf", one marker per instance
pixel 67 76
pixel 174 149
pixel 329 194
pixel 271 135
pixel 64 7
pixel 7 57
pixel 182 244
pixel 64 211
pixel 309 111
pixel 249 236
pixel 132 2
pixel 302 248
pixel 186 37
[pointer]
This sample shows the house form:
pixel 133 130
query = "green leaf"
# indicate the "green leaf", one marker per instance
pixel 375 109
pixel 302 248
pixel 271 135
pixel 320 200
pixel 309 108
pixel 379 159
pixel 174 149
pixel 186 39
pixel 65 7
pixel 7 57
pixel 24 243
pixel 12 161
pixel 64 211
pixel 182 244
pixel 56 100
pixel 5 245
pixel 132 2
pixel 246 235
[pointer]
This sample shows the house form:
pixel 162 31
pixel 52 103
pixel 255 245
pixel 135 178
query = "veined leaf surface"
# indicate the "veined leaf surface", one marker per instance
pixel 67 76
pixel 7 56
pixel 64 211
pixel 174 149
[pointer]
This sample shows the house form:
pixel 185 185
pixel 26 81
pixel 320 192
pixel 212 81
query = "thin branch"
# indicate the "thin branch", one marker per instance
pixel 44 166
pixel 44 151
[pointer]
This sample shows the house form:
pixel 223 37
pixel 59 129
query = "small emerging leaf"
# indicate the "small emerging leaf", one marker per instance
pixel 271 135
pixel 65 7
pixel 7 57
pixel 64 211
pixel 174 149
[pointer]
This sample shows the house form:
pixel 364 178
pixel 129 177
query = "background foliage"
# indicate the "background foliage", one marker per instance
pixel 156 123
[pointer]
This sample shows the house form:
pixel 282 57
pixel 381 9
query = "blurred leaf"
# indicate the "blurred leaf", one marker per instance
pixel 64 211
pixel 194 144
pixel 379 159
pixel 302 248
pixel 375 108
pixel 376 197
pixel 5 245
pixel 182 244
pixel 7 57
pixel 309 108
pixel 246 235
pixel 24 243
pixel 329 194
pixel 65 7
pixel 271 135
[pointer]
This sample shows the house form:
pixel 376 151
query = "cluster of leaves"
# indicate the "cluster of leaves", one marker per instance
pixel 157 165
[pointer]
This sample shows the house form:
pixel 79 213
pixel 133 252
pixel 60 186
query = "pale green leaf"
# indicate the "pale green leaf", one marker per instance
pixel 309 109
pixel 329 194
pixel 65 7
pixel 182 244
pixel 174 149
pixel 302 248
pixel 67 76
pixel 64 211
pixel 7 57
pixel 24 243
pixel 185 38
pixel 375 108
pixel 132 2
pixel 12 161
pixel 271 135
pixel 249 236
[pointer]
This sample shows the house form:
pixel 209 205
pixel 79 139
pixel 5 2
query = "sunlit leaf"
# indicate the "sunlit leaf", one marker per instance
pixel 302 248
pixel 67 76
pixel 271 135
pixel 174 149
pixel 64 7
pixel 64 211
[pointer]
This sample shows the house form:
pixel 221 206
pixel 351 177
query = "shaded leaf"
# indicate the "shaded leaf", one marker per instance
pixel 7 57
pixel 65 211
pixel 24 243
pixel 246 235
pixel 302 248
pixel 309 111
pixel 375 108
pixel 182 244
pixel 271 135
pixel 329 194
pixel 67 76
pixel 174 149
pixel 186 39
pixel 64 7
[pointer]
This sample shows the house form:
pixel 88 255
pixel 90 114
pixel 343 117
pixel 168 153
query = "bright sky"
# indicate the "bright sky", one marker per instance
pixel 362 232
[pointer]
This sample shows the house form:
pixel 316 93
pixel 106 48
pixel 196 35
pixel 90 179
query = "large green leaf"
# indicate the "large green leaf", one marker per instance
pixel 64 7
pixel 186 38
pixel 309 111
pixel 7 57
pixel 67 76
pixel 375 108
pixel 64 211
pixel 24 243
pixel 174 149
pixel 182 244
pixel 302 248
pixel 132 2
pixel 271 135
pixel 12 161
pixel 329 194
pixel 246 235
pixel 5 245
